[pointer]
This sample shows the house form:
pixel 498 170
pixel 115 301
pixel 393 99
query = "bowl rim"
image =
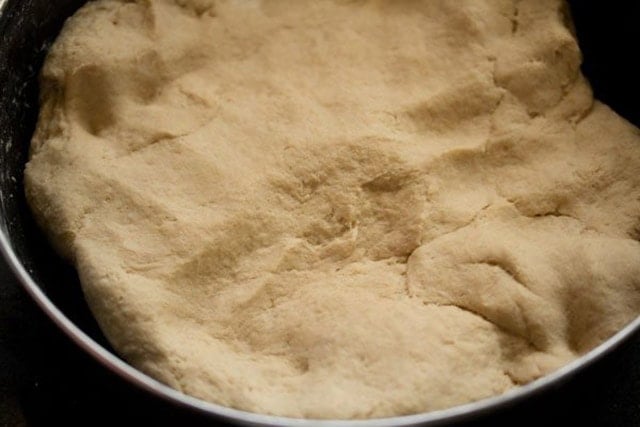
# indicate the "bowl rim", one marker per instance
pixel 434 418
pixel 130 374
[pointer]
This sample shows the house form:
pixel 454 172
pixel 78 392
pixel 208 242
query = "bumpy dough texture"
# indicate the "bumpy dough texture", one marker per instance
pixel 338 209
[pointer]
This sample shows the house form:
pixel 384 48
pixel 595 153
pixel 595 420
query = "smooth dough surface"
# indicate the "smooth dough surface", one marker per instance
pixel 338 209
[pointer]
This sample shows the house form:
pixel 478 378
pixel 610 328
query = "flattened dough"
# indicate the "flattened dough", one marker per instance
pixel 338 209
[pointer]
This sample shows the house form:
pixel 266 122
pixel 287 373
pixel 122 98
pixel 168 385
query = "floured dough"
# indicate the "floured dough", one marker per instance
pixel 338 209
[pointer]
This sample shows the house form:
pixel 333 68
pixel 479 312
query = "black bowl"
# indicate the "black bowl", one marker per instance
pixel 608 37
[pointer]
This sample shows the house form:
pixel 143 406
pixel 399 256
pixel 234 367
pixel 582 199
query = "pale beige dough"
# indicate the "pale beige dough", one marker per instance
pixel 338 209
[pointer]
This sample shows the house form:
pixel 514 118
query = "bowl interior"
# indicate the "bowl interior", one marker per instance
pixel 28 28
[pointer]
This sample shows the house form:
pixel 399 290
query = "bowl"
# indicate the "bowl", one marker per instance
pixel 28 28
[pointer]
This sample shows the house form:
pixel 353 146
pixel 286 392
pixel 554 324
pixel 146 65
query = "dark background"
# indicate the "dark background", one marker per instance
pixel 45 380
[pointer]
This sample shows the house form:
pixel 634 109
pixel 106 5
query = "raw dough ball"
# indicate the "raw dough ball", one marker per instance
pixel 338 209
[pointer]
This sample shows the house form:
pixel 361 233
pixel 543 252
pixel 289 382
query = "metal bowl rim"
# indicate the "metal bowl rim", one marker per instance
pixel 439 417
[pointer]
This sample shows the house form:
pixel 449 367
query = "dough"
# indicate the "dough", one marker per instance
pixel 338 209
